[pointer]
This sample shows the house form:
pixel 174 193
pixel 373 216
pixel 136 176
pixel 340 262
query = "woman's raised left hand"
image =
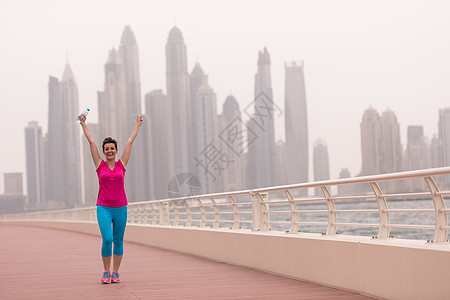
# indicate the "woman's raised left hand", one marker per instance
pixel 139 120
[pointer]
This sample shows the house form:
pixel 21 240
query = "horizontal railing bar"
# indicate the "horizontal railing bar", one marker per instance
pixel 443 193
pixel 405 195
pixel 356 211
pixel 410 226
pixel 357 224
pixel 279 222
pixel 354 197
pixel 311 223
pixel 310 211
pixel 309 200
pixel 280 212
pixel 362 179
pixel 277 202
pixel 410 210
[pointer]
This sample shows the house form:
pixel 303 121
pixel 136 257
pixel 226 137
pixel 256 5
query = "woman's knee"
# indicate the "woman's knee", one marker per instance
pixel 118 247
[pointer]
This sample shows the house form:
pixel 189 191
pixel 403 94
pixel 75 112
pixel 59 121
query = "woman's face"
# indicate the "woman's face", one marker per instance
pixel 110 151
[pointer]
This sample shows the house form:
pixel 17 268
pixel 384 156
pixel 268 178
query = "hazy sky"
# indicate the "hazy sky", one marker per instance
pixel 384 54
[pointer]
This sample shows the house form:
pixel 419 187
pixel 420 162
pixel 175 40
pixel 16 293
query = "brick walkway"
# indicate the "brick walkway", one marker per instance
pixel 38 263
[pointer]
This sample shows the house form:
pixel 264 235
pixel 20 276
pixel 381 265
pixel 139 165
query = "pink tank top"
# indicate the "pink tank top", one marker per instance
pixel 111 190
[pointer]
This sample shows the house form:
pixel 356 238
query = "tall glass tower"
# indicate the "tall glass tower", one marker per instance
pixel 261 153
pixel 179 101
pixel 296 124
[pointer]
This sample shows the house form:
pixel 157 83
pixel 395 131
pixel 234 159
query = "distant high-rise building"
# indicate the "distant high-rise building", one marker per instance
pixel 209 160
pixel 179 102
pixel 112 104
pixel 35 165
pixel 281 163
pixel 416 155
pixel 54 146
pixel 436 156
pixel 321 164
pixel 391 148
pixel 129 54
pixel 381 148
pixel 370 142
pixel 444 134
pixel 231 142
pixel 261 153
pixel 71 143
pixel 137 181
pixel 156 107
pixel 63 143
pixel 416 149
pixel 444 137
pixel 296 124
pixel 345 189
pixel 197 78
pixel 13 183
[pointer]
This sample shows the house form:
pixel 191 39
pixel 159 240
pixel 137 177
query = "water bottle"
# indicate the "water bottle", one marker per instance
pixel 84 113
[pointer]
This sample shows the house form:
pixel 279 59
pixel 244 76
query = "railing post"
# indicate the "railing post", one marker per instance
pixel 175 211
pixel 236 219
pixel 440 234
pixel 188 213
pixel 383 230
pixel 332 217
pixel 154 218
pixel 216 214
pixel 294 214
pixel 260 212
pixel 203 213
pixel 163 214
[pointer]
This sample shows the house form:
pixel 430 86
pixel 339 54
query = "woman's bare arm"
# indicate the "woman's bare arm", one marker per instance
pixel 94 151
pixel 127 150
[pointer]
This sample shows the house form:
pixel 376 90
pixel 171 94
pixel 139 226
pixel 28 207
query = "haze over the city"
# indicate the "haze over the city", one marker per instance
pixel 384 54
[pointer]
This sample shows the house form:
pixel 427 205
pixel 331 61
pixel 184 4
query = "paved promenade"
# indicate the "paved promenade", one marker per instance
pixel 38 263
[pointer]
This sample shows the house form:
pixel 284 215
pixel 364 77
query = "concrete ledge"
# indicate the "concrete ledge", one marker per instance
pixel 392 269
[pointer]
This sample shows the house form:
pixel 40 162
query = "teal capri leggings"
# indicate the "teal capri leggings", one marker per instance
pixel 117 217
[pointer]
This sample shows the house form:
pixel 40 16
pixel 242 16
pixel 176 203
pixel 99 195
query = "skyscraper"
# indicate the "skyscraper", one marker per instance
pixel 71 142
pixel 157 108
pixel 208 155
pixel 138 179
pixel 35 165
pixel 179 101
pixel 444 134
pixel 416 155
pixel 370 142
pixel 444 137
pixel 261 153
pixel 230 141
pixel 112 105
pixel 296 124
pixel 54 147
pixel 380 145
pixel 197 78
pixel 391 148
pixel 321 163
pixel 63 143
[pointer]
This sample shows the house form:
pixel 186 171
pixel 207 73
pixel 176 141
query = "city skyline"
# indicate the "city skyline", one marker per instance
pixel 330 75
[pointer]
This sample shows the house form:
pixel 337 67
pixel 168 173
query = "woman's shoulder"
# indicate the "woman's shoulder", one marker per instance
pixel 102 163
pixel 121 164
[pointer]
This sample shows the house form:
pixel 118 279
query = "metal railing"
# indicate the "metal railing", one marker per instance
pixel 283 209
